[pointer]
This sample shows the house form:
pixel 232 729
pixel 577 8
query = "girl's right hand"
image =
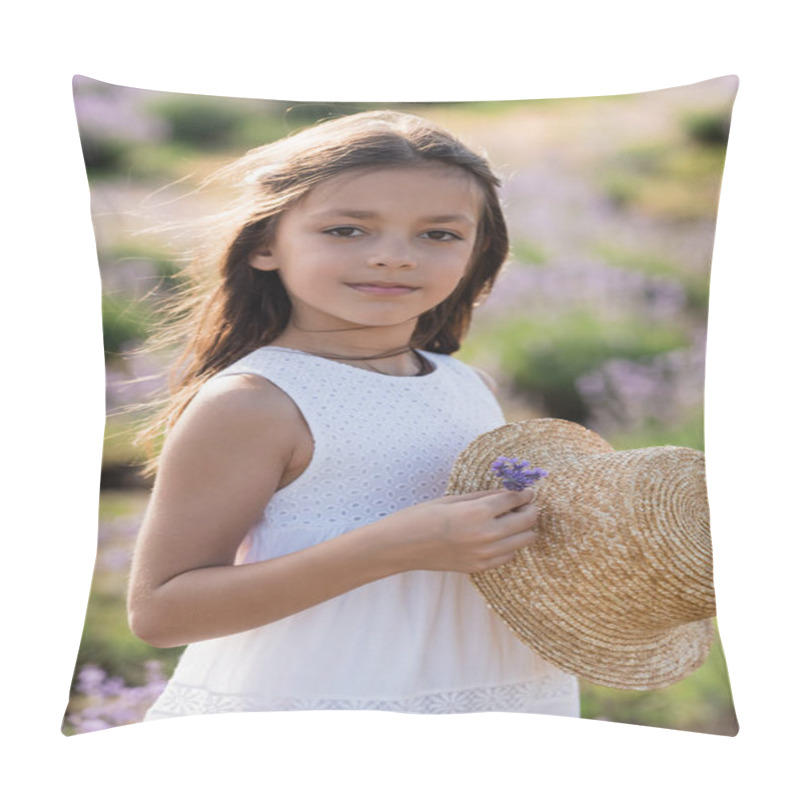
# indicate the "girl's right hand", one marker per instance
pixel 462 533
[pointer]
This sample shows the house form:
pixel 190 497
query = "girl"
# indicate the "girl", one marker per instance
pixel 297 538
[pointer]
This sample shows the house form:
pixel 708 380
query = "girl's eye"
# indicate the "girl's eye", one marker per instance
pixel 344 231
pixel 443 236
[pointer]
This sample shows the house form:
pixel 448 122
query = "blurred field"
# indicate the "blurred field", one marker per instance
pixel 599 317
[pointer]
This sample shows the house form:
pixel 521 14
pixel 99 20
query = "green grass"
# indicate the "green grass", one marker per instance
pixel 125 322
pixel 118 443
pixel 528 252
pixel 689 433
pixel 663 180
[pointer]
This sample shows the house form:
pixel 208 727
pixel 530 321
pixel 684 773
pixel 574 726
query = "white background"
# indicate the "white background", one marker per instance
pixel 53 385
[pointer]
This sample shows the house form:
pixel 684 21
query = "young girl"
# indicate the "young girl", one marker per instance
pixel 297 538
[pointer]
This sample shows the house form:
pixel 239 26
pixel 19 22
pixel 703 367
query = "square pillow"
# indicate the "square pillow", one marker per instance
pixel 598 317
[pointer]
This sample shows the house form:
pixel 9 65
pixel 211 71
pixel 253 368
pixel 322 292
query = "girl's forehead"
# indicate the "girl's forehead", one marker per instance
pixel 423 184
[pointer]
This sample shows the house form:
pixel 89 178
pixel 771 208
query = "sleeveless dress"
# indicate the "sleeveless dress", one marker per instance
pixel 420 641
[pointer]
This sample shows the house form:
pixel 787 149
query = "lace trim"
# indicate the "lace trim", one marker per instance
pixel 180 700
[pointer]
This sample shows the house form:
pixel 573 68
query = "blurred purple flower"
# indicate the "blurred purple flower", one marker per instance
pixel 108 701
pixel 116 113
pixel 90 679
pixel 516 473
pixel 626 395
pixel 580 284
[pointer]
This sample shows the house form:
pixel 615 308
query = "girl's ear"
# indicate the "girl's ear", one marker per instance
pixel 263 259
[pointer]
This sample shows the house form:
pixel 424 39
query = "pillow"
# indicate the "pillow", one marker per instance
pixel 599 316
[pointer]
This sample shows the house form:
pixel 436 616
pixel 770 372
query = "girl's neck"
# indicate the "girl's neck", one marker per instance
pixel 385 350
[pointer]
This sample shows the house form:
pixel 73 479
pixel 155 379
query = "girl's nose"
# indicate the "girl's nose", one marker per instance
pixel 395 255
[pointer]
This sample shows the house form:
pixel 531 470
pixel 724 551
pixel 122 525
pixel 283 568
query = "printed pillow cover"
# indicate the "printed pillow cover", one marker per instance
pixel 599 317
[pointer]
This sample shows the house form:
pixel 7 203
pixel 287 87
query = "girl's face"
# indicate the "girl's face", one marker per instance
pixel 375 248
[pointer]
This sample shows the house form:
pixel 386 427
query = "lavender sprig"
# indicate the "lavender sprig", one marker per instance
pixel 516 473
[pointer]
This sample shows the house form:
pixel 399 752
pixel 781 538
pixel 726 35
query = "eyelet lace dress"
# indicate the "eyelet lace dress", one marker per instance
pixel 420 641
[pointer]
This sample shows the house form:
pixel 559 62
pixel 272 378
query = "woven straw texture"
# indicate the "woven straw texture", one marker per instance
pixel 618 587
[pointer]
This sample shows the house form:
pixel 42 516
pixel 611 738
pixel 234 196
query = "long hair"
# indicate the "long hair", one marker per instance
pixel 231 309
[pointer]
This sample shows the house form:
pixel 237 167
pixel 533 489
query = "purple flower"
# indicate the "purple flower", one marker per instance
pixel 108 701
pixel 516 473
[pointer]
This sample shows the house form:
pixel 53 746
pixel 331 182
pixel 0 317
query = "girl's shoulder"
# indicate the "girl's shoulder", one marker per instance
pixel 238 418
pixel 244 396
pixel 238 408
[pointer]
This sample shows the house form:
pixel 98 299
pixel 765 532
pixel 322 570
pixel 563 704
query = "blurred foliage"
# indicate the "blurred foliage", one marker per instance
pixel 150 274
pixel 528 252
pixel 119 448
pixel 689 433
pixel 492 108
pixel 203 123
pixel 661 180
pixel 170 160
pixel 150 250
pixel 107 640
pixel 708 127
pixel 543 358
pixel 103 155
pixel 206 124
pixel 695 284
pixel 125 322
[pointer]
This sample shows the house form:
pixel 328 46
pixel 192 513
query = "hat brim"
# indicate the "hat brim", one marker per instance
pixel 555 595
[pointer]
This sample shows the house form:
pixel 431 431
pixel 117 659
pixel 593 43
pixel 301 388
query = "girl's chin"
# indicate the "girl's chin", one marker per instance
pixel 399 323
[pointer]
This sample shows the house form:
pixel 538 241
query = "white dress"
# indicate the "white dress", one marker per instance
pixel 419 641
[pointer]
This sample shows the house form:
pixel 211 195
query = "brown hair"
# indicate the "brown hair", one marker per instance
pixel 231 309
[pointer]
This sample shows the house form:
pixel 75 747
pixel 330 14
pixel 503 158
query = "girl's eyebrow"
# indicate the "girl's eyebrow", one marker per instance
pixel 451 218
pixel 356 214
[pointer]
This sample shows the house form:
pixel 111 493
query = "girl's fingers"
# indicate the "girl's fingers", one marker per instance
pixel 507 548
pixel 461 498
pixel 510 544
pixel 496 562
pixel 506 501
pixel 503 499
pixel 516 520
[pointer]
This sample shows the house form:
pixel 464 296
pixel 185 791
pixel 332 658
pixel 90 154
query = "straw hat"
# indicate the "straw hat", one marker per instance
pixel 617 588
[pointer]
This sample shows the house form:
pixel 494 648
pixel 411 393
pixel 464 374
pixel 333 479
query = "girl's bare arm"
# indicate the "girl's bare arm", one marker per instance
pixel 236 444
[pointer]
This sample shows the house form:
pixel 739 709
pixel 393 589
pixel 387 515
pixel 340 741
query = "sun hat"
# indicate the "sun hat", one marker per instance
pixel 618 586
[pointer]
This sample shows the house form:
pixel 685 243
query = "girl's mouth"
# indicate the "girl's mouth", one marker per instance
pixel 382 288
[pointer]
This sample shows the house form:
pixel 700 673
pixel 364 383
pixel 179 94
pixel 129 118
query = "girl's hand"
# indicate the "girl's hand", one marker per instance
pixel 462 533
